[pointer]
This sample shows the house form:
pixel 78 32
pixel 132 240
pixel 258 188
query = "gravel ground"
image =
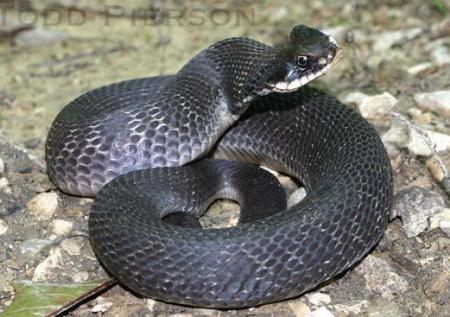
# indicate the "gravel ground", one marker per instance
pixel 396 73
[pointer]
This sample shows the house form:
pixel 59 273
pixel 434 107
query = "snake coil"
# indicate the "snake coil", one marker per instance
pixel 139 147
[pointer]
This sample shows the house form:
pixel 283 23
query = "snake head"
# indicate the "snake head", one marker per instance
pixel 310 53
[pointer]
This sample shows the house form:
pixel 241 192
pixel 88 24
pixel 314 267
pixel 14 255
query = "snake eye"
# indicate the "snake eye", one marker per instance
pixel 302 61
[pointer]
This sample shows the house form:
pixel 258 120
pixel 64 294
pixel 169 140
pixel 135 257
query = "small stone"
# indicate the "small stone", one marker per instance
pixel 415 205
pixel 436 101
pixel 288 184
pixel 150 303
pixel 3 182
pixel 102 305
pixel 441 220
pixel 61 227
pixel 357 309
pixel 296 197
pixel 44 205
pixel 318 299
pixel 380 277
pixel 418 146
pixel 2 166
pixel 3 227
pixel 435 169
pixel 321 312
pixel 372 107
pixel 33 246
pixel 416 69
pixel 385 40
pixel 300 309
pixel 39 37
pixel 278 15
pixel 46 270
pixel 396 135
pixel 71 247
pixel 440 56
pixel 80 277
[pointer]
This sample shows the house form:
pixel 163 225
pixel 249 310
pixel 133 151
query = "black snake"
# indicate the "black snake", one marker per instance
pixel 237 100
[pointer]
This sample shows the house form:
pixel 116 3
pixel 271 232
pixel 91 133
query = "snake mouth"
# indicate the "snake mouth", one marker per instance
pixel 322 66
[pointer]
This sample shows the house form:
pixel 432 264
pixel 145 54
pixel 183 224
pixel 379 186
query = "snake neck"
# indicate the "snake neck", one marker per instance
pixel 236 67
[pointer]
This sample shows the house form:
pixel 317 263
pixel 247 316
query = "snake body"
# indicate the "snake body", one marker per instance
pixel 139 147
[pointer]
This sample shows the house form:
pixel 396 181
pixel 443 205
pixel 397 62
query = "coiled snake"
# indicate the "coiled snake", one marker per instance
pixel 147 139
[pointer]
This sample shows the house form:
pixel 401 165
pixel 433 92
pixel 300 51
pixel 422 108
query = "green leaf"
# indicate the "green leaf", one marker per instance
pixel 440 7
pixel 41 299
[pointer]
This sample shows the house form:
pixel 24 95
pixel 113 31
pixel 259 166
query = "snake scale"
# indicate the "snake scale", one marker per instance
pixel 155 152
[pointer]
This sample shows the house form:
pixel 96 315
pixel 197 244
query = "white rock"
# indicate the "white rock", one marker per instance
pixel 352 310
pixel 33 246
pixel 440 56
pixel 3 227
pixel 418 146
pixel 372 107
pixel 71 247
pixel 296 197
pixel 61 227
pixel 2 166
pixel 3 182
pixel 321 312
pixel 80 277
pixel 414 70
pixel 441 220
pixel 300 309
pixel 396 135
pixel 380 277
pixel 101 306
pixel 436 101
pixel 415 205
pixel 278 14
pixel 385 40
pixel 44 205
pixel 45 270
pixel 318 299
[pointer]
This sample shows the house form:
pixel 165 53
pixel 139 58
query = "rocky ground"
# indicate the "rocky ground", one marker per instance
pixel 396 73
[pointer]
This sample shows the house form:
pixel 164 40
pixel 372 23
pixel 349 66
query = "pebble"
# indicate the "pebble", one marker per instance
pixel 372 107
pixel 71 247
pixel 39 37
pixel 440 56
pixel 61 227
pixel 385 40
pixel 278 15
pixel 415 205
pixel 46 269
pixel 33 246
pixel 296 197
pixel 2 166
pixel 3 227
pixel 416 69
pixel 102 305
pixel 318 299
pixel 380 277
pixel 436 101
pixel 435 169
pixel 300 309
pixel 80 277
pixel 44 205
pixel 321 312
pixel 418 146
pixel 352 309
pixel 4 183
pixel 396 135
pixel 441 220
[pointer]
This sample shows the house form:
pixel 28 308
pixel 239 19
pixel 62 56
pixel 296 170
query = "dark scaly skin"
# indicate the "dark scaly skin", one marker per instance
pixel 332 150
